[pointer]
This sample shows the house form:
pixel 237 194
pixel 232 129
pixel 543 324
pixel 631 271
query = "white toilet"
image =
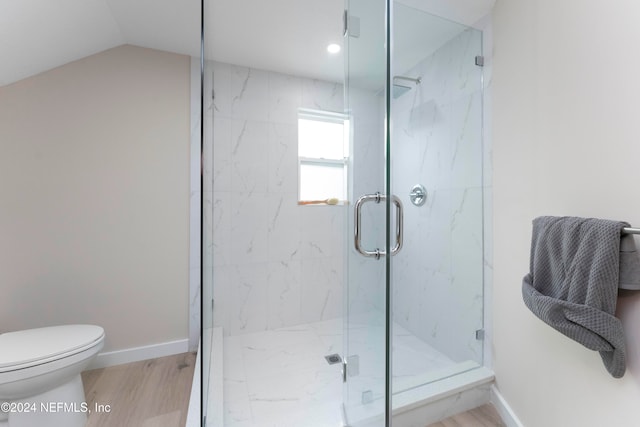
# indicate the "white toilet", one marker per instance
pixel 40 379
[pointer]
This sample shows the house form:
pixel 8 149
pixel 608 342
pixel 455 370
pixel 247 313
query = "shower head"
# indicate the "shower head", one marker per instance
pixel 401 89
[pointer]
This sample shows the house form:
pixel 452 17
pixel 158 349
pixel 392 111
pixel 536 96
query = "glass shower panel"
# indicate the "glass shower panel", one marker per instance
pixel 436 142
pixel 365 292
pixel 210 345
pixel 210 337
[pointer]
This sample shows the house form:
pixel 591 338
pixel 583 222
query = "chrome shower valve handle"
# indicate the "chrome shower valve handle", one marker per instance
pixel 418 195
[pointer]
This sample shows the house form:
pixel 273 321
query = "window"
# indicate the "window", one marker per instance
pixel 323 152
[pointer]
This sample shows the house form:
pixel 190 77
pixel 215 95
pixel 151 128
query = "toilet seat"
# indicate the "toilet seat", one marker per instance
pixel 31 347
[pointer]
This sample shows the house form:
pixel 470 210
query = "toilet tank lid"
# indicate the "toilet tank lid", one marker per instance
pixel 31 345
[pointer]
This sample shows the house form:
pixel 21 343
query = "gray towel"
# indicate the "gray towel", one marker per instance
pixel 573 283
pixel 629 264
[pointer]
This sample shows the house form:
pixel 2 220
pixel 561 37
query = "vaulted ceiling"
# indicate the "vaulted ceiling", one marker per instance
pixel 289 36
pixel 37 35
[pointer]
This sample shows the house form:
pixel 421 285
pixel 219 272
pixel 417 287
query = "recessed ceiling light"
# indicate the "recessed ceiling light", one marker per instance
pixel 333 48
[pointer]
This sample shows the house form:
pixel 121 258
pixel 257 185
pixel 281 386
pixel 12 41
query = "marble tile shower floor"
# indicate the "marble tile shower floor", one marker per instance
pixel 280 378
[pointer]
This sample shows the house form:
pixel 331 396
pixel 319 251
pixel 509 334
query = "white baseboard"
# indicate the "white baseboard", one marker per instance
pixel 508 416
pixel 135 354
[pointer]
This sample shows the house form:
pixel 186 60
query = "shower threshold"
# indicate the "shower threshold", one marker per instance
pixel 280 378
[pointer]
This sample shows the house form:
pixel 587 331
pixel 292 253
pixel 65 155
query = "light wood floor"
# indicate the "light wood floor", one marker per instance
pixel 149 393
pixel 155 393
pixel 483 416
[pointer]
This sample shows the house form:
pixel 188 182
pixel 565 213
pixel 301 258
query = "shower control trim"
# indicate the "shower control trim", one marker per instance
pixel 418 195
pixel 377 253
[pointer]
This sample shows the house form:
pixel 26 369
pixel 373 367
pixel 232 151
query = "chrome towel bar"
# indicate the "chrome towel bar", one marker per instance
pixel 630 230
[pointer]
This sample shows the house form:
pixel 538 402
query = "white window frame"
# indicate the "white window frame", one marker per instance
pixel 332 117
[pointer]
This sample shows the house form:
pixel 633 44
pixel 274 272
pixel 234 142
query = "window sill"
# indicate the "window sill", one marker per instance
pixel 322 203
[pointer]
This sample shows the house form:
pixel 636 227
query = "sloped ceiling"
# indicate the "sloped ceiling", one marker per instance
pixel 289 36
pixel 38 35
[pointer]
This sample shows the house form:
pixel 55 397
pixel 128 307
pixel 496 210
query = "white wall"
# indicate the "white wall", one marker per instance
pixel 275 263
pixel 94 197
pixel 565 109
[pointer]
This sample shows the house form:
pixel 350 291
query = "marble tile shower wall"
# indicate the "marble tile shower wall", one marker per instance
pixel 275 263
pixel 438 292
pixel 366 276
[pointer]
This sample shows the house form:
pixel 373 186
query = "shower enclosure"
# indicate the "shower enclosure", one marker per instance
pixel 367 309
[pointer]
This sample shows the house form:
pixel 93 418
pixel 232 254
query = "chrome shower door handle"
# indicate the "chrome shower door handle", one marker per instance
pixel 358 225
pixel 377 253
pixel 399 224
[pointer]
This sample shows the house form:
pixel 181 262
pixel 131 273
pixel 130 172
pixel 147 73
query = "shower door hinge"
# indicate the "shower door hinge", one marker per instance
pixel 345 26
pixel 480 61
pixel 480 334
pixel 344 371
pixel 350 25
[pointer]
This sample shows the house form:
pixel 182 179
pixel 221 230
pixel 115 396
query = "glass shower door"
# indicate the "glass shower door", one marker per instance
pixel 365 291
pixel 414 97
